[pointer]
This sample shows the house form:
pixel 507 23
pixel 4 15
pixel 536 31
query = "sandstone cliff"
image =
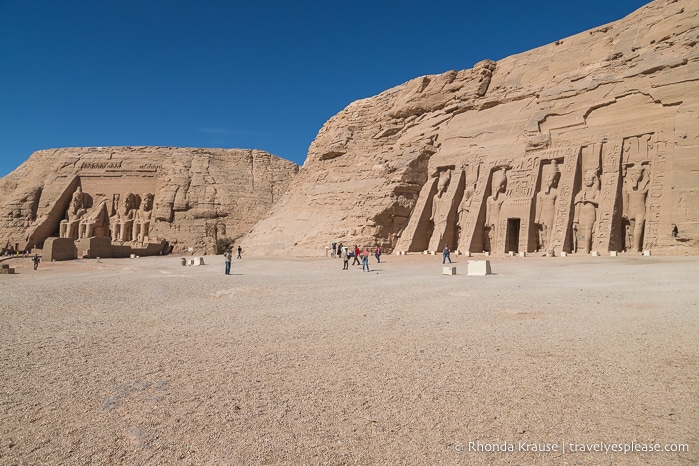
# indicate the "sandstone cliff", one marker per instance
pixel 196 195
pixel 589 143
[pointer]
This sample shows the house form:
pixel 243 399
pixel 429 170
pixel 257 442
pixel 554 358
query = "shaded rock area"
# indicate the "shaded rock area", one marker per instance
pixel 148 199
pixel 584 145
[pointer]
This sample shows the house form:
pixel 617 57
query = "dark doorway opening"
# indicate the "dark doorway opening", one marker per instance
pixel 512 235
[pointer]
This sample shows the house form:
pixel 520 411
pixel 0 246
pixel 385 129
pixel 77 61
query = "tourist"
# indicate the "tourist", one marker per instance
pixel 365 259
pixel 334 250
pixel 377 253
pixel 240 251
pixel 345 258
pixel 36 260
pixel 356 255
pixel 445 254
pixel 227 259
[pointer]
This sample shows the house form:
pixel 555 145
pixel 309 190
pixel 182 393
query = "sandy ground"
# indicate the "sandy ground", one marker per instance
pixel 294 361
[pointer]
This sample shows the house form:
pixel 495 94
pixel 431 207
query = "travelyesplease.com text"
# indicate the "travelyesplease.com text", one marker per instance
pixel 566 447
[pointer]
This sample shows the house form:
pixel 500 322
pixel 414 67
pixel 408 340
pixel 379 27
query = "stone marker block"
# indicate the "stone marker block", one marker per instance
pixel 132 256
pixel 183 261
pixel 448 270
pixel 487 253
pixel 564 254
pixel 613 254
pixel 479 268
pixel 511 254
pixel 190 261
pixel 434 253
pixel 467 253
pixel 425 252
pixel 646 252
pixel 594 253
pixel 198 261
pixel 522 254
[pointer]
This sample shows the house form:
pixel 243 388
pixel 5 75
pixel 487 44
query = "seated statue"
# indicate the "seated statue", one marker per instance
pixel 95 222
pixel 69 227
pixel 141 223
pixel 122 222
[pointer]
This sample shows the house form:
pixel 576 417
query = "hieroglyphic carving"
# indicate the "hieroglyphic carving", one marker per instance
pixel 565 199
pixel 657 156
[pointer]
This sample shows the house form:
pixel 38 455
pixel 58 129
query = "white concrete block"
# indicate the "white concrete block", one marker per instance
pixel 646 253
pixel 564 254
pixel 522 254
pixel 466 253
pixel 487 253
pixel 425 252
pixel 448 270
pixel 198 261
pixel 613 254
pixel 479 268
pixel 511 254
pixel 594 253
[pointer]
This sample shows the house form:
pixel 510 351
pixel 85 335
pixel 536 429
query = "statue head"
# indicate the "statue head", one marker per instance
pixel 147 203
pixel 634 175
pixel 78 199
pixel 128 201
pixel 551 174
pixel 444 178
pixel 499 181
pixel 590 178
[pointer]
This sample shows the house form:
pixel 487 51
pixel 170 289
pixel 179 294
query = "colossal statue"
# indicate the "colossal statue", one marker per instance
pixel 586 203
pixel 142 217
pixel 122 222
pixel 440 208
pixel 546 204
pixel 69 228
pixel 95 222
pixel 493 207
pixel 636 184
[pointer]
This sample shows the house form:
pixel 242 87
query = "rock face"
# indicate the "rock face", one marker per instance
pixel 587 144
pixel 140 196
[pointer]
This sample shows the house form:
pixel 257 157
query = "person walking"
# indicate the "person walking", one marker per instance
pixel 240 251
pixel 36 260
pixel 377 253
pixel 365 259
pixel 445 254
pixel 334 250
pixel 356 255
pixel 227 259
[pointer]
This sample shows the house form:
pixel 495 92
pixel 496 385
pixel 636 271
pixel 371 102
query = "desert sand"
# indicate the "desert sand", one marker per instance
pixel 294 361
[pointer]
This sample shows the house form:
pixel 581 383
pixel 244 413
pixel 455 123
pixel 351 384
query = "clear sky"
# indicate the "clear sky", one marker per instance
pixel 259 74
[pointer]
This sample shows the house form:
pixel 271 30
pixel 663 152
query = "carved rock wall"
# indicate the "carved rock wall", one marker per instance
pixel 543 150
pixel 199 195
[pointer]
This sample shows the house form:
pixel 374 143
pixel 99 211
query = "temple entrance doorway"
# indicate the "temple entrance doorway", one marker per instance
pixel 512 241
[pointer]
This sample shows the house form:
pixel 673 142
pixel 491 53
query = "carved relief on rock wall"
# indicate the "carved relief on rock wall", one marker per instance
pixel 128 219
pixel 546 205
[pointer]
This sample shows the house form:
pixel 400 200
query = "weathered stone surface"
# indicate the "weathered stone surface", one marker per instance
pixel 141 197
pixel 589 143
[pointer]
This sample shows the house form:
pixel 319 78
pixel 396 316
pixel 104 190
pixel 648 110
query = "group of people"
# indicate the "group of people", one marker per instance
pixel 359 256
pixel 228 255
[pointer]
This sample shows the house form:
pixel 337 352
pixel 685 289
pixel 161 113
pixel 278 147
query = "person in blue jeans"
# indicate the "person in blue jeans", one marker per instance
pixel 227 259
pixel 445 254
pixel 365 259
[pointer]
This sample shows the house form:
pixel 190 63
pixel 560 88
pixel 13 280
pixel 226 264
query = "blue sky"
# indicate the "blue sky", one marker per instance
pixel 257 75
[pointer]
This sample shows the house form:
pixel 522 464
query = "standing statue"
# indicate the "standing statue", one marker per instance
pixel 546 205
pixel 586 203
pixel 69 228
pixel 122 222
pixel 440 208
pixel 464 210
pixel 141 224
pixel 636 184
pixel 493 207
